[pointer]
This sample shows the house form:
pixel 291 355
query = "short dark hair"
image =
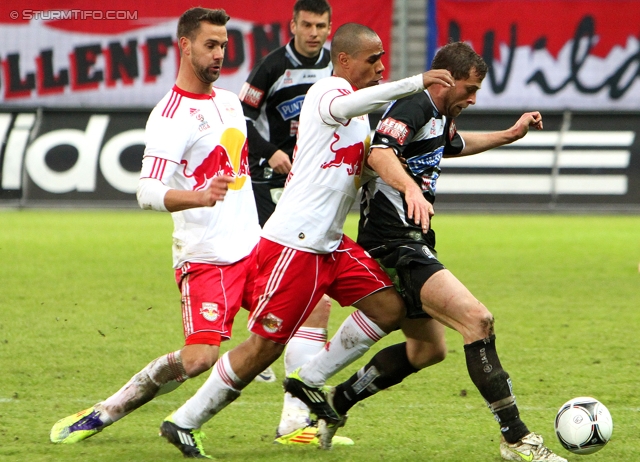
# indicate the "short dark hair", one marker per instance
pixel 318 7
pixel 189 22
pixel 459 59
pixel 348 39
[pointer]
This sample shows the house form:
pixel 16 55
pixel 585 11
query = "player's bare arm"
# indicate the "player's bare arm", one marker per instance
pixel 280 162
pixel 176 200
pixel 386 164
pixel 480 142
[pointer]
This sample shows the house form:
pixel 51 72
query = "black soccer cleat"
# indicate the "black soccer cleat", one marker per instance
pixel 187 440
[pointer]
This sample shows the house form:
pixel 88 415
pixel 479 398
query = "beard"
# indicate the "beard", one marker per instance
pixel 204 73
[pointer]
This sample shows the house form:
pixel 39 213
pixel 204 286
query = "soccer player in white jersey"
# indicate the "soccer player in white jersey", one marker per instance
pixel 303 253
pixel 195 156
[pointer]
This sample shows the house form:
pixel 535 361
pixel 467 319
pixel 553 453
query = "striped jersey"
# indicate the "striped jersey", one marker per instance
pixel 191 138
pixel 415 130
pixel 272 98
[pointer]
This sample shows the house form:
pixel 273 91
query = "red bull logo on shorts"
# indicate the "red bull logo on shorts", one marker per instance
pixel 209 311
pixel 271 323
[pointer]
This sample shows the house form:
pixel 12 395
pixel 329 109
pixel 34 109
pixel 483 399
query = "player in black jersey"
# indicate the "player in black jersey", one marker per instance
pixel 410 140
pixel 271 100
pixel 272 97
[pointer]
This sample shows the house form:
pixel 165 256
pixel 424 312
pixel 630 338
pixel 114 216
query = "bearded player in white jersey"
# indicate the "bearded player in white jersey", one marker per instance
pixel 303 253
pixel 195 156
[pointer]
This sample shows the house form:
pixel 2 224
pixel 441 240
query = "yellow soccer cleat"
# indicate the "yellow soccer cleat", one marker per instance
pixel 77 427
pixel 308 436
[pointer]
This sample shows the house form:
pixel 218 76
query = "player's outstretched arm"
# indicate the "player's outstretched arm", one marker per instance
pixel 391 170
pixel 480 142
pixel 369 99
pixel 176 200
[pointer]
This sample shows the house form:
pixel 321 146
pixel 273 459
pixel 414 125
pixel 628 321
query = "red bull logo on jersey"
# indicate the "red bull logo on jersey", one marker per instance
pixel 230 158
pixel 351 156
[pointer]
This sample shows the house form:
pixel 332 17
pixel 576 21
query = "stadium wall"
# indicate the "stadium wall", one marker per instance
pixel 82 157
pixel 76 89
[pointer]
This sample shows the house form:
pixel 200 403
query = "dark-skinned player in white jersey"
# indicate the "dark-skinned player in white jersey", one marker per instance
pixel 303 252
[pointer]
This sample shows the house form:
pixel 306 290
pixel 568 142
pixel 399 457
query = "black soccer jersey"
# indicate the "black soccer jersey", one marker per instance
pixel 414 128
pixel 271 100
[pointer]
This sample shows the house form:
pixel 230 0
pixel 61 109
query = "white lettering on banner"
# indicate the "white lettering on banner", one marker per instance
pixel 110 165
pixel 14 151
pixel 80 177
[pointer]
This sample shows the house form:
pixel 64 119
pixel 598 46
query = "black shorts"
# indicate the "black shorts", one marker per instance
pixel 410 265
pixel 267 197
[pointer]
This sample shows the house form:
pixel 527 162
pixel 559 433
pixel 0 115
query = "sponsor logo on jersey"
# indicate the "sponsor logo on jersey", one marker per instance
pixel 419 164
pixel 251 95
pixel 393 128
pixel 287 78
pixel 351 156
pixel 229 158
pixel 271 323
pixel 209 311
pixel 193 111
pixel 293 127
pixel 203 123
pixel 432 129
pixel 291 108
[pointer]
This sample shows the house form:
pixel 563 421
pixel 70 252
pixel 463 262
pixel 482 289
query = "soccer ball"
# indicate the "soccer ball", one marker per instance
pixel 583 425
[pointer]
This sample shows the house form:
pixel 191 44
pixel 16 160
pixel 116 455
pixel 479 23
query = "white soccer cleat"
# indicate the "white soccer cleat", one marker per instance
pixel 530 448
pixel 266 376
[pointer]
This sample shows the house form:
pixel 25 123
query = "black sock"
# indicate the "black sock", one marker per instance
pixel 494 385
pixel 387 368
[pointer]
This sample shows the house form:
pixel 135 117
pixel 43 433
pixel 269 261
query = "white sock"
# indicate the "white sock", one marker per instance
pixel 354 337
pixel 221 388
pixel 160 376
pixel 306 342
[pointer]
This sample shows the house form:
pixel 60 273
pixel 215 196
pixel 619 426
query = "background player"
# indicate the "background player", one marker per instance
pixel 271 99
pixel 395 227
pixel 305 231
pixel 195 157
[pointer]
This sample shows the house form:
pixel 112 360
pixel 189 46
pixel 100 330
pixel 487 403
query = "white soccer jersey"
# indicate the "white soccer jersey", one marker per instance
pixel 191 138
pixel 333 137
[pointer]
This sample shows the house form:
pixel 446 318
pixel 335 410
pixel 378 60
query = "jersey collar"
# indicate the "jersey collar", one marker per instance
pixel 301 60
pixel 188 94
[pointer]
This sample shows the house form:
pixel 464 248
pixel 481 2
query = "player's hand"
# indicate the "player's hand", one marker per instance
pixel 525 122
pixel 217 190
pixel 280 162
pixel 438 76
pixel 419 209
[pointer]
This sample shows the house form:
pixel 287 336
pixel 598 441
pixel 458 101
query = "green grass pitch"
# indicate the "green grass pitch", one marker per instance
pixel 87 298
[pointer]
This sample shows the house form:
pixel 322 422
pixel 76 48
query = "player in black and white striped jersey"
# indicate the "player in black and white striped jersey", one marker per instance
pixel 395 227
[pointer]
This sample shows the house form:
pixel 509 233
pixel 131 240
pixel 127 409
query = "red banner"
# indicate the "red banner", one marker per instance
pixel 72 52
pixel 576 54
